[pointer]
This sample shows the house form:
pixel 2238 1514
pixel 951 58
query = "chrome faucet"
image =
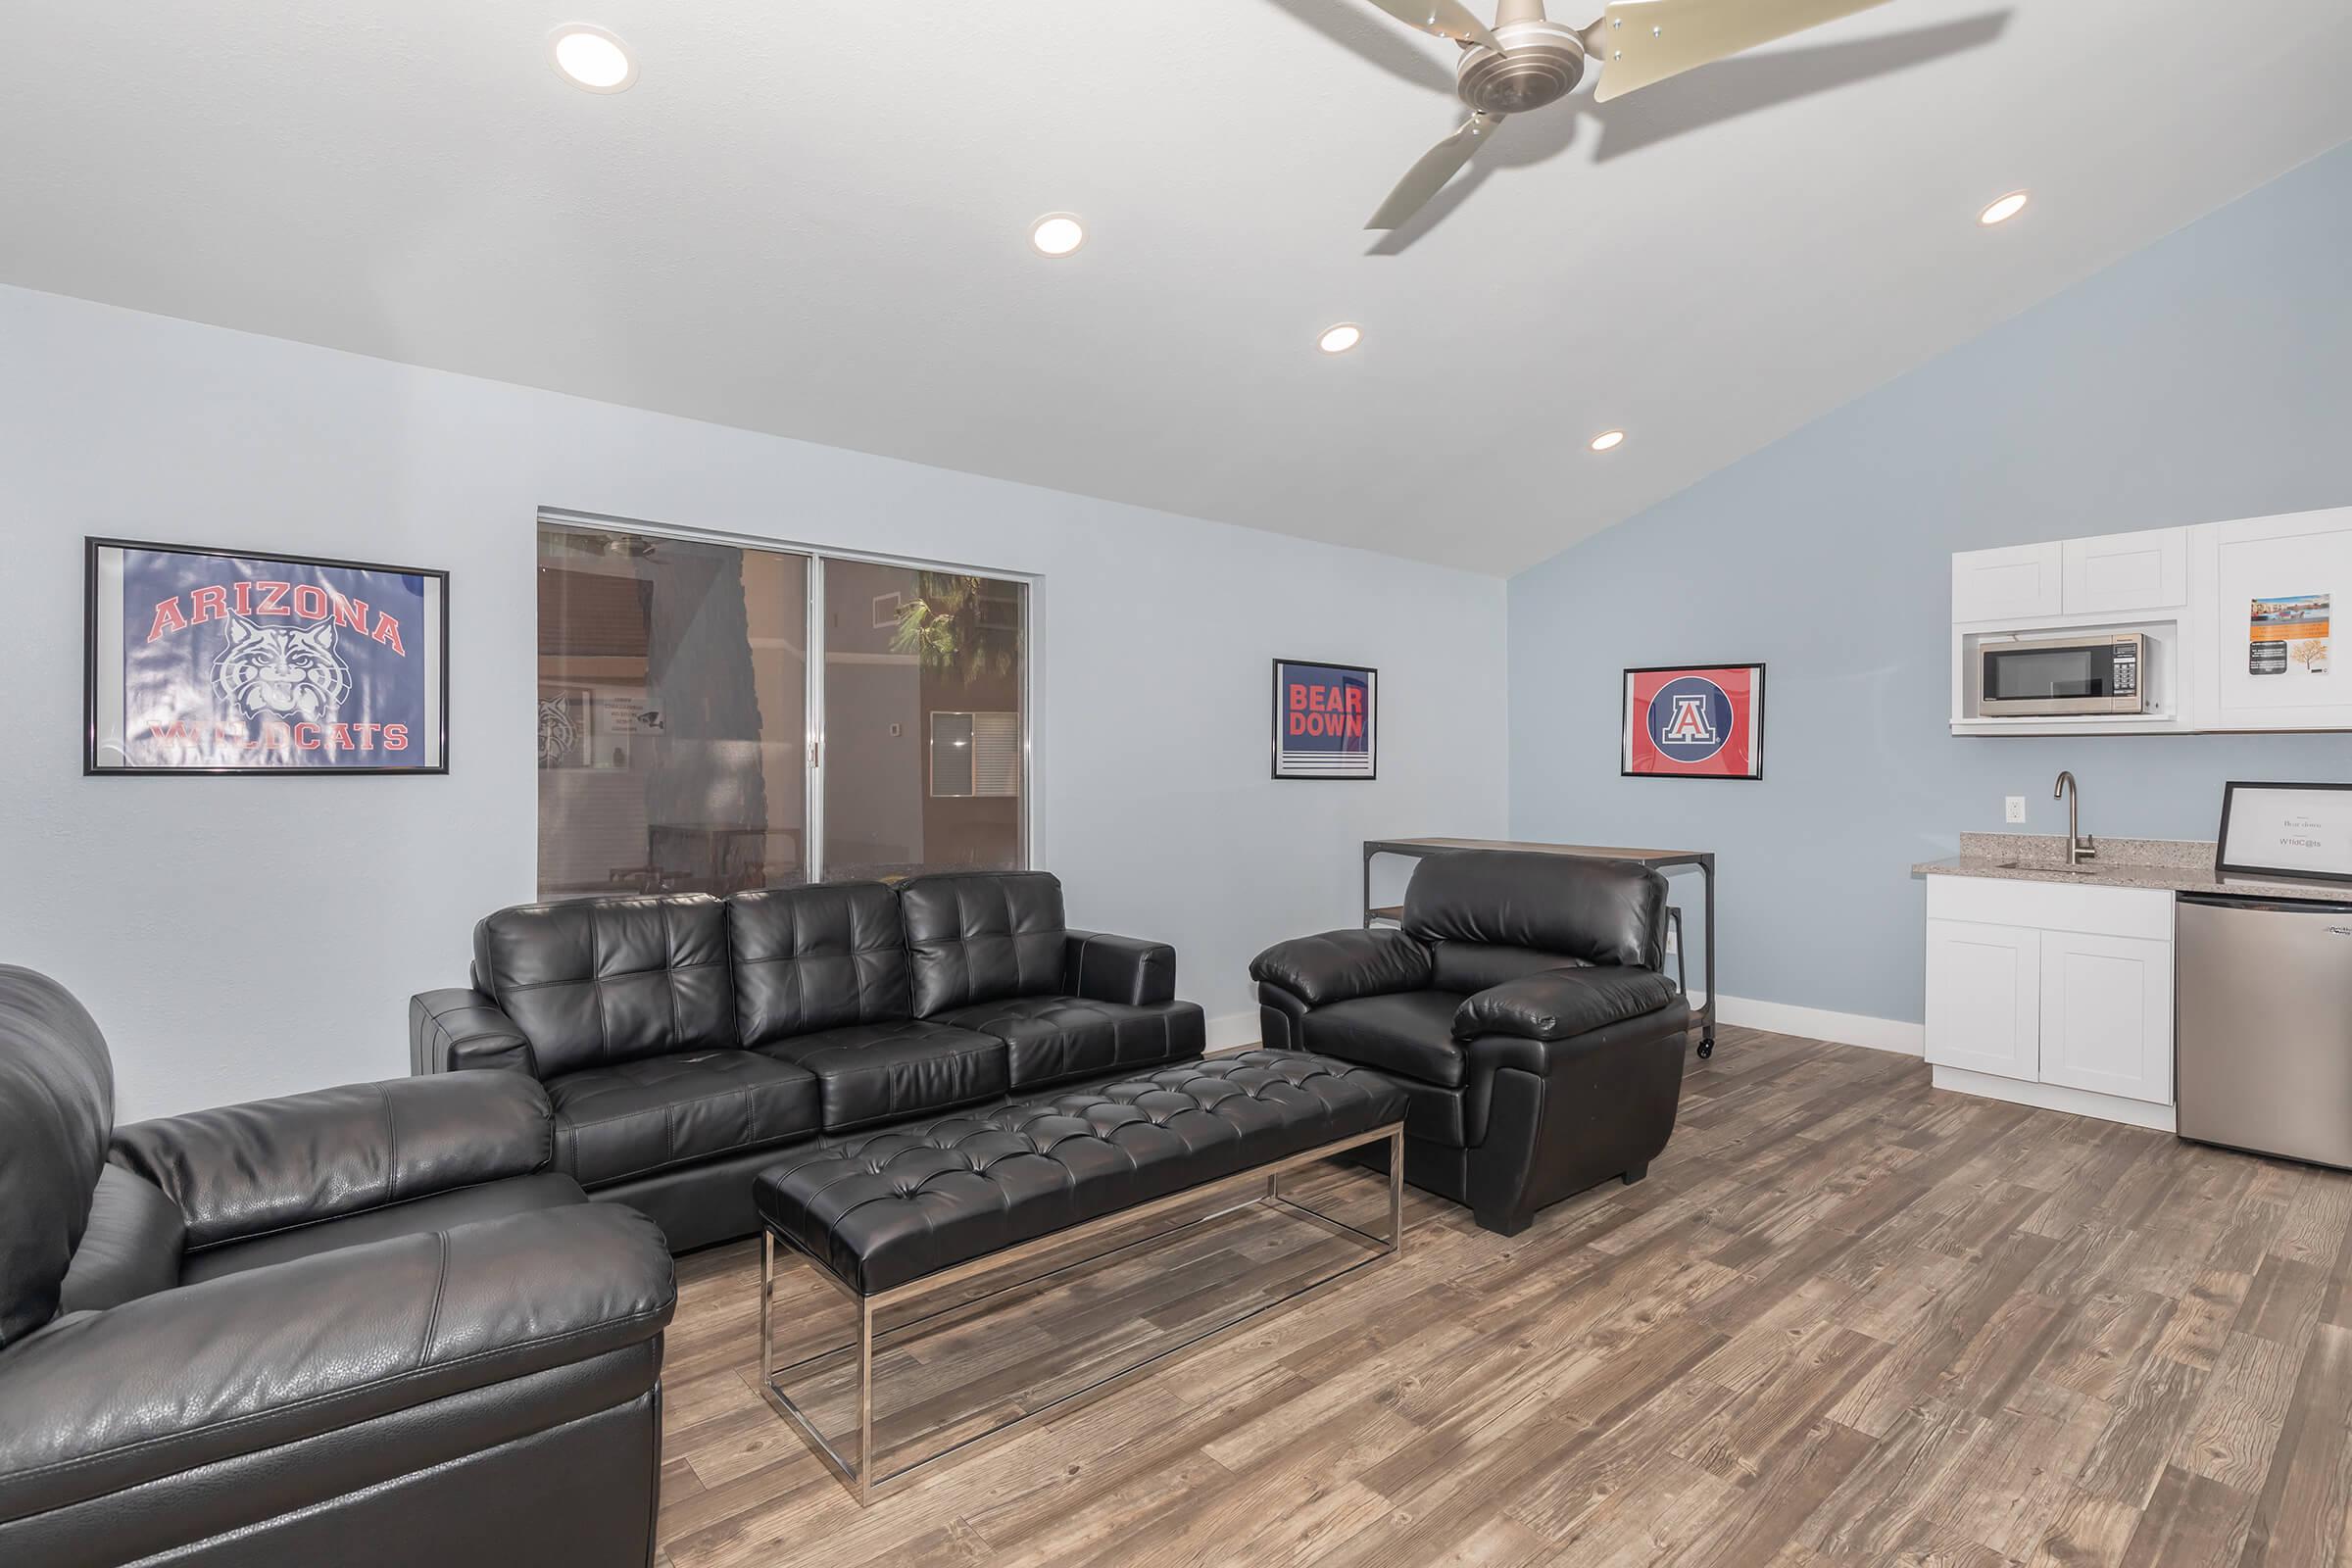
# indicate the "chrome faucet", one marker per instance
pixel 2078 847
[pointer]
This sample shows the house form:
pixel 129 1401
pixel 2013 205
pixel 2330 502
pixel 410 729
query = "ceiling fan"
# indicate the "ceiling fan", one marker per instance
pixel 1527 62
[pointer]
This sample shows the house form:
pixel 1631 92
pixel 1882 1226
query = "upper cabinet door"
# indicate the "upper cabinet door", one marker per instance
pixel 2123 573
pixel 2012 584
pixel 2279 589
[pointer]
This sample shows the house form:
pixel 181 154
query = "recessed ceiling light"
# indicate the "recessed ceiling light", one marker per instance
pixel 592 58
pixel 1058 234
pixel 2002 210
pixel 1341 338
pixel 1608 439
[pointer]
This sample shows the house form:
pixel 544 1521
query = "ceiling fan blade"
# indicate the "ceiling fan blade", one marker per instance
pixel 1437 166
pixel 1639 42
pixel 1448 18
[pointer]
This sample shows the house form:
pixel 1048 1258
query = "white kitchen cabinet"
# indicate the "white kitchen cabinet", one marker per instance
pixel 2052 994
pixel 1983 997
pixel 2107 1015
pixel 2123 573
pixel 2296 556
pixel 2017 582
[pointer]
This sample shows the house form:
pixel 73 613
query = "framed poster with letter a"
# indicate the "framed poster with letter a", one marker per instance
pixel 227 661
pixel 1326 720
pixel 1693 721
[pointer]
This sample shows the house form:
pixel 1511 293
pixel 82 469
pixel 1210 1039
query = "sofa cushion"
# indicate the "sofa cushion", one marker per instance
pixel 131 1248
pixel 816 957
pixel 57 1102
pixel 974 936
pixel 1407 1032
pixel 419 1216
pixel 638 1116
pixel 1056 1039
pixel 1470 967
pixel 876 1072
pixel 596 981
pixel 1604 912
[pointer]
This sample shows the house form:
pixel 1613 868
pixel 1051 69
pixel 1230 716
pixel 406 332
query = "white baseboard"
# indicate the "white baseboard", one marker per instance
pixel 2054 1097
pixel 1819 1023
pixel 1233 1031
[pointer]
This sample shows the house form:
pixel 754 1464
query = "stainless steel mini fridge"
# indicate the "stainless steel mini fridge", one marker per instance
pixel 2265 1025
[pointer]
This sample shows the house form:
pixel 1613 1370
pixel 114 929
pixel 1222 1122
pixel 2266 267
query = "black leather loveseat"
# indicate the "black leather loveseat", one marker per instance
pixel 1521 1008
pixel 684 1040
pixel 363 1326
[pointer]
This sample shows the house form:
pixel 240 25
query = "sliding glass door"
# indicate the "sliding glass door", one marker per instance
pixel 686 744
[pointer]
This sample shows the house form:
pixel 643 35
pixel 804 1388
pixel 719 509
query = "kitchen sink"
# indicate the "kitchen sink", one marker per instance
pixel 2051 870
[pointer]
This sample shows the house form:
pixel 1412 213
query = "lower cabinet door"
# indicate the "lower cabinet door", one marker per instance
pixel 2107 1015
pixel 1983 996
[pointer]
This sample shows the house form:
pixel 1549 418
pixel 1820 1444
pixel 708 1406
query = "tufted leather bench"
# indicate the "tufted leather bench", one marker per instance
pixel 882 1209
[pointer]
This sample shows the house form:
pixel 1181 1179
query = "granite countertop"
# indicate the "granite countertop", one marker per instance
pixel 2167 865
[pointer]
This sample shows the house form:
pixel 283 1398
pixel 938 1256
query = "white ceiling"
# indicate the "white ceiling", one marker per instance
pixel 812 219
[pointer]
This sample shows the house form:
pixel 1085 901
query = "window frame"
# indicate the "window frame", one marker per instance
pixel 813 630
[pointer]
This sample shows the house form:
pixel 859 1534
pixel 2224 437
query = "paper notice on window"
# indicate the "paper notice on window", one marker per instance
pixel 2288 636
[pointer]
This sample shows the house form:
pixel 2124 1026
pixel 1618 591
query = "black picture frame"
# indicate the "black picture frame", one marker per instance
pixel 2223 865
pixel 94 545
pixel 1274 732
pixel 1625 720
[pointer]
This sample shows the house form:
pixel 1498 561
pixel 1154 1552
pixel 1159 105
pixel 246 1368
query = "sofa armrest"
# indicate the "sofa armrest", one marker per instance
pixel 1105 968
pixel 460 1028
pixel 103 1401
pixel 1555 1004
pixel 1339 965
pixel 245 1170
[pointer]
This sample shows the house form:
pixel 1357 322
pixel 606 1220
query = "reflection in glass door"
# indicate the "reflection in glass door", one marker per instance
pixel 925 676
pixel 679 725
pixel 673 714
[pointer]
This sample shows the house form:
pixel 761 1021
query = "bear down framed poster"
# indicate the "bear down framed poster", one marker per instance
pixel 1326 720
pixel 226 662
pixel 1692 721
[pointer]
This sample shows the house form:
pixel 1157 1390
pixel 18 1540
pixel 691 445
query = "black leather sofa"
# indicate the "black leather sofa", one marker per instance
pixel 362 1326
pixel 1521 1007
pixel 683 1041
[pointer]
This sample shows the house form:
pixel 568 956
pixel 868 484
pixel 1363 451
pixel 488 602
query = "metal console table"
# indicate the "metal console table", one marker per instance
pixel 1655 860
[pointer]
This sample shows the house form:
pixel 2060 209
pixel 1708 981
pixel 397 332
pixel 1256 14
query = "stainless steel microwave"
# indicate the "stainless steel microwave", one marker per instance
pixel 2084 674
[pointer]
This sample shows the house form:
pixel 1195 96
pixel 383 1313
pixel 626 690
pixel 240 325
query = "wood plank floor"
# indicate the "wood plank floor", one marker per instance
pixel 1847 1320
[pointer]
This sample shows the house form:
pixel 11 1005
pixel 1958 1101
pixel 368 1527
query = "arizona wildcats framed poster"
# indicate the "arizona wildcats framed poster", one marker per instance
pixel 214 662
pixel 1326 720
pixel 1693 721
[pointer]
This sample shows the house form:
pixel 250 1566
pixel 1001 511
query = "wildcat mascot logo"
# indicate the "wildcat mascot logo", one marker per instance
pixel 281 671
pixel 556 732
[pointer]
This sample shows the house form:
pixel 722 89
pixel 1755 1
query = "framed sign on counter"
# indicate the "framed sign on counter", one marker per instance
pixel 2290 830
pixel 1692 721
pixel 225 661
pixel 1326 720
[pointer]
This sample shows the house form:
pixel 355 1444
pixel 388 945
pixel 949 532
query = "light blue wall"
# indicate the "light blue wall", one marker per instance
pixel 2208 377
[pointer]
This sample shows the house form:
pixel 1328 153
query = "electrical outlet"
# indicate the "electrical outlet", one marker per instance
pixel 2017 808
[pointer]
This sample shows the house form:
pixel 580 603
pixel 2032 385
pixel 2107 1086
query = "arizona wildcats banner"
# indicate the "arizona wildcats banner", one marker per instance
pixel 1325 720
pixel 1694 723
pixel 245 662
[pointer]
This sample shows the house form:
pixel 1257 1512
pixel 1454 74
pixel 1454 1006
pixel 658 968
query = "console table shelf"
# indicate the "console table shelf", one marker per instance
pixel 1655 860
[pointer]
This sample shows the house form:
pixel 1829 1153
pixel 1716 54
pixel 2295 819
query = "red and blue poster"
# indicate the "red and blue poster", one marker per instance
pixel 1695 721
pixel 208 661
pixel 1326 720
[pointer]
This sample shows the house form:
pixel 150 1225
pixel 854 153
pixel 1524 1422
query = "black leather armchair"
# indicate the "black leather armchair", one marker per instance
pixel 366 1325
pixel 1521 1008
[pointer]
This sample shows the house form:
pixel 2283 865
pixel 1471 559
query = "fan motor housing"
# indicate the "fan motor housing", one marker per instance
pixel 1540 63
